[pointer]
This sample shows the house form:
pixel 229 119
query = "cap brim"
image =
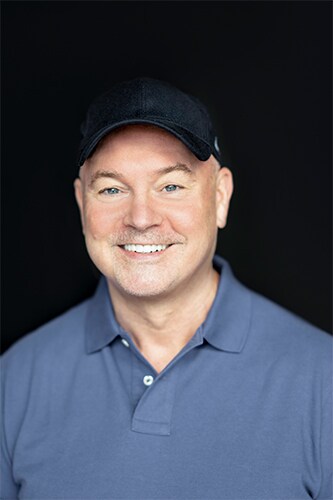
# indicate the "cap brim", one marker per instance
pixel 197 146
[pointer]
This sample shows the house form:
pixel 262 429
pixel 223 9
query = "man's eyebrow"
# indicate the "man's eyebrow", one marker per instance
pixel 113 174
pixel 180 167
pixel 110 174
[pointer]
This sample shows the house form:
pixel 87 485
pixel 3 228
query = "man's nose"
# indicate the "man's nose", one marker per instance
pixel 142 213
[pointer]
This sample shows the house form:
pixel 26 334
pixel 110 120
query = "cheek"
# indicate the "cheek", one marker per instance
pixel 98 221
pixel 196 216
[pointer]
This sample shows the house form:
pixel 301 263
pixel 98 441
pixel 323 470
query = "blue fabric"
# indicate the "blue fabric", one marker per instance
pixel 242 412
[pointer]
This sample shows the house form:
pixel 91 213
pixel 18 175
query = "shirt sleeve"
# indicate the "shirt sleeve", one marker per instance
pixel 8 487
pixel 326 487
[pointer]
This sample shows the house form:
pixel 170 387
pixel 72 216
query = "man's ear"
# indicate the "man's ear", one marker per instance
pixel 78 190
pixel 224 189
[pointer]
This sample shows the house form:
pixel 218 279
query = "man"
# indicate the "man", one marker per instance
pixel 173 381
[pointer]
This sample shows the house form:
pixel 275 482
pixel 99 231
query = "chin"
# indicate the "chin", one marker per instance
pixel 146 290
pixel 142 287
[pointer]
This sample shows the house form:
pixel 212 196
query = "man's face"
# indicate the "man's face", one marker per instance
pixel 150 211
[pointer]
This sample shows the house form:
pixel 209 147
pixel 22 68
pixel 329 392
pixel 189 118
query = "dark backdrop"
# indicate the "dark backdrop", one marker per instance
pixel 264 70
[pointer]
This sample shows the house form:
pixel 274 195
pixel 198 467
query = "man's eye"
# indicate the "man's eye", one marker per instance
pixel 171 187
pixel 109 191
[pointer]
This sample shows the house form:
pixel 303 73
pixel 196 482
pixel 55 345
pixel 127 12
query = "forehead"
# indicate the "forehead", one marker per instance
pixel 145 152
pixel 143 142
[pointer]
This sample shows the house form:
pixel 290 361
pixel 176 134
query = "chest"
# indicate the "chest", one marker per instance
pixel 216 432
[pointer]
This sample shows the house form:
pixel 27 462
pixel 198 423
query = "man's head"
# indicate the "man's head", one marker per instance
pixel 150 209
pixel 149 101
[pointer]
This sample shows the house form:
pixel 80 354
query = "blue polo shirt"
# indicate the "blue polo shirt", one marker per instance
pixel 242 412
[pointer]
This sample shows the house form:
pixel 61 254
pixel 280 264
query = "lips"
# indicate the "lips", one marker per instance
pixel 144 248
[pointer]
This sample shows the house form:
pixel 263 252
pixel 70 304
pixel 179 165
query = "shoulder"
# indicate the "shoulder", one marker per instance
pixel 38 368
pixel 281 338
pixel 64 333
pixel 268 325
pixel 34 367
pixel 274 321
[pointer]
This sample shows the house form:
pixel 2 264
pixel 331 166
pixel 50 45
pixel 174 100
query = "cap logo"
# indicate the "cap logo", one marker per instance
pixel 216 144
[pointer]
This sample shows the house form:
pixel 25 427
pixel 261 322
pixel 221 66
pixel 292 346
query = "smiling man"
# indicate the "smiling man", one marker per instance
pixel 150 211
pixel 173 381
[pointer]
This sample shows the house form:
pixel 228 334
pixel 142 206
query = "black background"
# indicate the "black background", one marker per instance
pixel 263 69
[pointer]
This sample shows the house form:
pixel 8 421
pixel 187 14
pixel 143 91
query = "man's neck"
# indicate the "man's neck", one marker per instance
pixel 160 328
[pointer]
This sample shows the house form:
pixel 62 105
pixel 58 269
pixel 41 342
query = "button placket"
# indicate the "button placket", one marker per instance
pixel 153 412
pixel 140 371
pixel 155 401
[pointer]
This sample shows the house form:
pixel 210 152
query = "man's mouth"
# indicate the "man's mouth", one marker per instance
pixel 144 248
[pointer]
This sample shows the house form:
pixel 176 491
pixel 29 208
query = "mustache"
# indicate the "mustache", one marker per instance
pixel 146 238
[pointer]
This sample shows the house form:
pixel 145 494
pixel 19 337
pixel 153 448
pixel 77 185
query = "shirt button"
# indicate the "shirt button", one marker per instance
pixel 148 380
pixel 124 341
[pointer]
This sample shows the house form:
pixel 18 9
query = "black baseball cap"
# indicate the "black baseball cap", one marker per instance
pixel 146 100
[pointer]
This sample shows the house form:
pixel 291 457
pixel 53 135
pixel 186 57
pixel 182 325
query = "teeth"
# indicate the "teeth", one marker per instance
pixel 145 248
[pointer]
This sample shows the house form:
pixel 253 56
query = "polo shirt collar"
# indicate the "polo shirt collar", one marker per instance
pixel 101 324
pixel 228 321
pixel 225 328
